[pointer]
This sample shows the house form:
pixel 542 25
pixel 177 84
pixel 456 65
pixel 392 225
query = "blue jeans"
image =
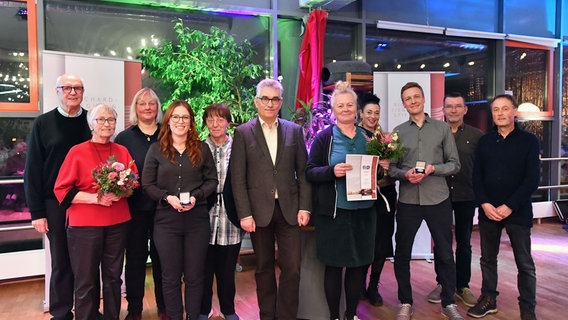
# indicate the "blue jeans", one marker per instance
pixel 520 236
pixel 463 214
pixel 439 220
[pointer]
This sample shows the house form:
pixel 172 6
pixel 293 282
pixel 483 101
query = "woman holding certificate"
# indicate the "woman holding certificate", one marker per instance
pixel 345 230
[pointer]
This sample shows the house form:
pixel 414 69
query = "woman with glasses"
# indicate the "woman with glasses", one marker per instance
pixel 145 117
pixel 97 225
pixel 179 173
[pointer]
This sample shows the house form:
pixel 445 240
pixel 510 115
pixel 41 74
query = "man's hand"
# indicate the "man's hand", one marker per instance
pixel 504 211
pixel 248 224
pixel 303 218
pixel 40 225
pixel 413 177
pixel 491 212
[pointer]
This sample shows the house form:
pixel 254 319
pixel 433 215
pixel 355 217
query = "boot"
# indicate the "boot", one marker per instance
pixel 372 293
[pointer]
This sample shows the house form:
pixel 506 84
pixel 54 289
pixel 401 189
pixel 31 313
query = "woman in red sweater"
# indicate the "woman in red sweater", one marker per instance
pixel 96 224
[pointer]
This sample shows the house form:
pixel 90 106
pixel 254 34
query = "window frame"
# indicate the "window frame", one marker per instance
pixel 33 105
pixel 548 112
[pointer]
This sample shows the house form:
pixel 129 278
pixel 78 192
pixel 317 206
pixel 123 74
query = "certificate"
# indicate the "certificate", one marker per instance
pixel 361 181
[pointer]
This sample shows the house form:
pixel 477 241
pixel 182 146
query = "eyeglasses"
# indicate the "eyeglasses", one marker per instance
pixel 177 118
pixel 68 89
pixel 110 121
pixel 265 100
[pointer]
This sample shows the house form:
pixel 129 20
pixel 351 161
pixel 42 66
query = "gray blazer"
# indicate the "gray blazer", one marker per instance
pixel 254 178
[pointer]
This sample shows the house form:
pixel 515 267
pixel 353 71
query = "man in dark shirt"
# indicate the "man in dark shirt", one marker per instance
pixel 506 173
pixel 53 134
pixel 461 194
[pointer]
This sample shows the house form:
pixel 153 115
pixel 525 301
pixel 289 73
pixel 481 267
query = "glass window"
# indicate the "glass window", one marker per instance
pixel 466 63
pixel 526 77
pixel 18 74
pixel 340 42
pixel 122 30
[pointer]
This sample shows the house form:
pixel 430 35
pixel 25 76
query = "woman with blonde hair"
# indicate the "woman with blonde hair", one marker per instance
pixel 179 173
pixel 345 230
pixel 145 117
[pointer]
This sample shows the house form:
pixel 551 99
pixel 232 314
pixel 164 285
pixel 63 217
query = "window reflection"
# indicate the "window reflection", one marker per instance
pixel 526 73
pixel 14 63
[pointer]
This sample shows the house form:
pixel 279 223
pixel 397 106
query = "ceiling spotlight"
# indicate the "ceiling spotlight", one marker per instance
pixel 398 66
pixel 523 55
pixel 446 65
pixel 381 46
pixel 376 65
pixel 422 66
pixel 471 63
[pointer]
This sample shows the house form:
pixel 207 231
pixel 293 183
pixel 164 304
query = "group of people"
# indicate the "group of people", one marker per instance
pixel 198 198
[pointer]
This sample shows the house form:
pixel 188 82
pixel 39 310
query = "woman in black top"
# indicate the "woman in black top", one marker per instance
pixel 145 117
pixel 180 173
pixel 370 113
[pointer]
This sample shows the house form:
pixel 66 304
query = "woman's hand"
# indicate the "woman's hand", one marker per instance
pixel 385 163
pixel 340 169
pixel 107 199
pixel 176 204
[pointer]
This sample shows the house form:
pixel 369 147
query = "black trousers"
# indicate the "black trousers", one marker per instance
pixel 182 240
pixel 221 263
pixel 282 302
pixel 141 230
pixel 61 282
pixel 439 220
pixel 89 248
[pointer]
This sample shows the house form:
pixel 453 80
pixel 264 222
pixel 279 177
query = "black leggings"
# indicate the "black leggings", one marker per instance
pixel 354 280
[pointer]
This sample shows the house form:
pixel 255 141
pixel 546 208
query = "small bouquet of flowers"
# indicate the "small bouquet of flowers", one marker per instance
pixel 385 145
pixel 114 177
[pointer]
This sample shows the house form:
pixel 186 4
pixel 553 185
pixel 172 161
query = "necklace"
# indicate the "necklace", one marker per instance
pixel 97 151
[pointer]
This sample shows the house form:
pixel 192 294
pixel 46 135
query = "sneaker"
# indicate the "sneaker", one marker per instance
pixel 405 312
pixel 466 296
pixel 434 296
pixel 451 312
pixel 485 305
pixel 528 315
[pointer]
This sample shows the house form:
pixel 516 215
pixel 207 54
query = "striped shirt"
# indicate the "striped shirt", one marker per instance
pixel 223 232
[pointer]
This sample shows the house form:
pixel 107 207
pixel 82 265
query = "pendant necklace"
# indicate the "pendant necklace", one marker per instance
pixel 97 151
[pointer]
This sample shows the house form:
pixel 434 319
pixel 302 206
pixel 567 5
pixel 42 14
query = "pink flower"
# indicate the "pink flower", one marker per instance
pixel 117 166
pixel 112 175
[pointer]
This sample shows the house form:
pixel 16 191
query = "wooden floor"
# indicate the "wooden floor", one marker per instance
pixel 23 299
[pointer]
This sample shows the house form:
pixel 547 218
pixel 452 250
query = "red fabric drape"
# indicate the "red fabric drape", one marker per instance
pixel 311 58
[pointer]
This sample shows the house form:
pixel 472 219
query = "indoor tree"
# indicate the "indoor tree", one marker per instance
pixel 204 68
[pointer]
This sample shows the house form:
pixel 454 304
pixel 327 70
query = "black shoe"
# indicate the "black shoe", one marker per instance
pixel 528 315
pixel 485 305
pixel 374 297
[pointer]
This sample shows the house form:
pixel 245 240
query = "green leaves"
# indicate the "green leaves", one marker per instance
pixel 205 68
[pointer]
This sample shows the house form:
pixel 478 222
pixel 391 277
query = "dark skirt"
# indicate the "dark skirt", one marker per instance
pixel 348 240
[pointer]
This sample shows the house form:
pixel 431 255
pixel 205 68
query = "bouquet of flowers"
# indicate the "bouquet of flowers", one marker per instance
pixel 385 145
pixel 114 177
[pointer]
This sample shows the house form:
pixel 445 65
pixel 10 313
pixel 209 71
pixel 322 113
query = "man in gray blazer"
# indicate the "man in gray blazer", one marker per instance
pixel 273 198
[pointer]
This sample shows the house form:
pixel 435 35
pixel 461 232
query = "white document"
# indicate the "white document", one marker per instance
pixel 362 180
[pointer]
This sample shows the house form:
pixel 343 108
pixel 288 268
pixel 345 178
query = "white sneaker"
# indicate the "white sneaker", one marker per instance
pixel 451 312
pixel 406 311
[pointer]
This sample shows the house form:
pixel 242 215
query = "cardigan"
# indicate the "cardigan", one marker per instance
pixel 138 144
pixel 161 177
pixel 76 175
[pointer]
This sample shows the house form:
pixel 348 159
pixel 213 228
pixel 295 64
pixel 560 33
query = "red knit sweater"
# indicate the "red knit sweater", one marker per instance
pixel 75 173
